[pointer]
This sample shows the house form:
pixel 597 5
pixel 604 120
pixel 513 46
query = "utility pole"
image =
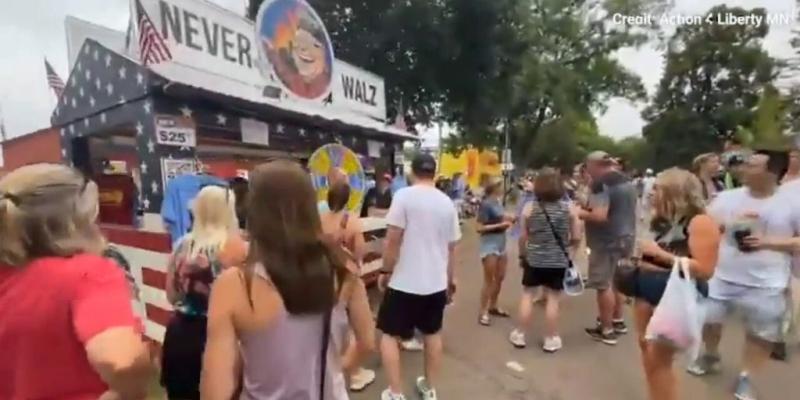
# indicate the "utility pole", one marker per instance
pixel 505 161
pixel 440 145
pixel 3 136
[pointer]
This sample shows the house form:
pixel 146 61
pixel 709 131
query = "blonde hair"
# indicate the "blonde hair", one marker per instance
pixel 47 210
pixel 701 160
pixel 679 195
pixel 214 211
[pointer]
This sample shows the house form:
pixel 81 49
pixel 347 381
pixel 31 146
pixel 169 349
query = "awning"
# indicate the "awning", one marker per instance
pixel 182 79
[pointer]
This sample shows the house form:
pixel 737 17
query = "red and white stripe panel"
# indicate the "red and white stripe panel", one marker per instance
pixel 147 254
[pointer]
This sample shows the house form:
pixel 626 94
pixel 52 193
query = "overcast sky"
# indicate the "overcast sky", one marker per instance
pixel 33 29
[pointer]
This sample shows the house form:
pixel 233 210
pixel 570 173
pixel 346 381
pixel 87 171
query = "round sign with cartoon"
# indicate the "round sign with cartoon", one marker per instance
pixel 332 161
pixel 293 39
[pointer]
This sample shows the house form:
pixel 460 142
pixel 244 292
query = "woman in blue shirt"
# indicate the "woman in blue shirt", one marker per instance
pixel 492 226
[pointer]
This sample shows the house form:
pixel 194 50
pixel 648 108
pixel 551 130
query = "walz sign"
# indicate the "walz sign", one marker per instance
pixel 359 90
pixel 288 48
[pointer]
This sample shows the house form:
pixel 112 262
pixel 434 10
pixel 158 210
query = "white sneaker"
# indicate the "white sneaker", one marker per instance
pixel 425 391
pixel 361 379
pixel 388 395
pixel 412 345
pixel 552 344
pixel 517 338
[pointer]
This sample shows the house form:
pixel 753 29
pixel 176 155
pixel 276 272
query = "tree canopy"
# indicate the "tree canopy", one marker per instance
pixel 482 65
pixel 714 80
pixel 539 70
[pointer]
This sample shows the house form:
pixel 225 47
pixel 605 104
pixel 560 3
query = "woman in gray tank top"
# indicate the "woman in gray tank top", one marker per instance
pixel 276 329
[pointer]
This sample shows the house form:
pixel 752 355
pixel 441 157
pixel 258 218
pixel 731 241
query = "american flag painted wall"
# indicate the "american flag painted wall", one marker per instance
pixel 147 253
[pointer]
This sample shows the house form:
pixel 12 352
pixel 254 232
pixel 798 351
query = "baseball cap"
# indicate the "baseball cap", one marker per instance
pixel 598 155
pixel 423 163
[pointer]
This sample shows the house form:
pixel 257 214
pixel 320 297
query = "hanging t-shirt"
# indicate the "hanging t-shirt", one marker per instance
pixel 430 223
pixel 178 196
pixel 736 209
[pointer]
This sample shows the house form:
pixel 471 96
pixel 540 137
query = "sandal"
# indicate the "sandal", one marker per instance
pixel 484 320
pixel 498 312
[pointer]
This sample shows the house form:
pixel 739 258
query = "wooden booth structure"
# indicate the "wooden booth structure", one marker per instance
pixel 216 100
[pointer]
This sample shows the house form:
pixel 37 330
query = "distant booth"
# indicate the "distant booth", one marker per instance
pixel 214 93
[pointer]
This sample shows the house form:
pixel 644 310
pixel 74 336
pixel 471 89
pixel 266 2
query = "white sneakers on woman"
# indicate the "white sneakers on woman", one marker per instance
pixel 361 379
pixel 423 389
pixel 551 344
pixel 517 338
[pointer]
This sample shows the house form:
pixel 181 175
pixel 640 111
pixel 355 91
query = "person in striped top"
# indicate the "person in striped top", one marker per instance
pixel 548 224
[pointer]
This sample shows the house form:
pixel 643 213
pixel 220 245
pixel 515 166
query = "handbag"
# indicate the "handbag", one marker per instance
pixel 626 277
pixel 573 282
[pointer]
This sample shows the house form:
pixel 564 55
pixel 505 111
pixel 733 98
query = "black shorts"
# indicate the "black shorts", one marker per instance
pixel 182 356
pixel 551 278
pixel 401 313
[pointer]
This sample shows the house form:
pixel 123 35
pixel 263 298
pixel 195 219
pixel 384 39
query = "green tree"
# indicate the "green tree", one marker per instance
pixel 401 41
pixel 487 65
pixel 636 151
pixel 570 68
pixel 713 81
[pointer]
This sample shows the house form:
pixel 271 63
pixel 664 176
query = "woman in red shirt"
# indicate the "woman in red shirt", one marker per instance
pixel 68 330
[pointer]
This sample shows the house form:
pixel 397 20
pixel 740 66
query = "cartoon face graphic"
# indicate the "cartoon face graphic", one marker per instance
pixel 308 55
pixel 296 44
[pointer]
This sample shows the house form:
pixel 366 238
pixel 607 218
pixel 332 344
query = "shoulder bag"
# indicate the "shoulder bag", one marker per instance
pixel 573 282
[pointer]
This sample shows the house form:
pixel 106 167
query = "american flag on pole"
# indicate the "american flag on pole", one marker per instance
pixel 152 47
pixel 53 80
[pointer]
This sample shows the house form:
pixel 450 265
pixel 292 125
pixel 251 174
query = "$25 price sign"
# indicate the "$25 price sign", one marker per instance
pixel 175 131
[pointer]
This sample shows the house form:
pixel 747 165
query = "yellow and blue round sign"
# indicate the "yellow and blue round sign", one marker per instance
pixel 335 156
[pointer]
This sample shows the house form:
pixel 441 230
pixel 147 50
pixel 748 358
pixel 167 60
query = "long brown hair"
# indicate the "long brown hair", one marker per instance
pixel 287 241
pixel 548 186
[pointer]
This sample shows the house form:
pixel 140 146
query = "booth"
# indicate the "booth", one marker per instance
pixel 222 95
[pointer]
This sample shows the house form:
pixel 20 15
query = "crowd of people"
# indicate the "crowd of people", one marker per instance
pixel 268 298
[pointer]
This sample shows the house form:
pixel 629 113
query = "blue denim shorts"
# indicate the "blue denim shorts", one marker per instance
pixel 493 244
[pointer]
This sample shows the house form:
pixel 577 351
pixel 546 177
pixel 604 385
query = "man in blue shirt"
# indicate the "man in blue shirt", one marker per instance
pixel 399 181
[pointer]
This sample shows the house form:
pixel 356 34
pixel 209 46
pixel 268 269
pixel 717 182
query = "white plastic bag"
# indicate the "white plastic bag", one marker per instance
pixel 573 282
pixel 678 320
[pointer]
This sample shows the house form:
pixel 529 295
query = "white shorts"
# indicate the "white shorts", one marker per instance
pixel 762 310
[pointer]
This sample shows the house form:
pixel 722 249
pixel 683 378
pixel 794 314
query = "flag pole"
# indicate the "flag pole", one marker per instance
pixel 50 93
pixel 3 134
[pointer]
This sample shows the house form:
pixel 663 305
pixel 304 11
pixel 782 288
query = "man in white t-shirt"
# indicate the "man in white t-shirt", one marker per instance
pixel 418 261
pixel 790 190
pixel 753 267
